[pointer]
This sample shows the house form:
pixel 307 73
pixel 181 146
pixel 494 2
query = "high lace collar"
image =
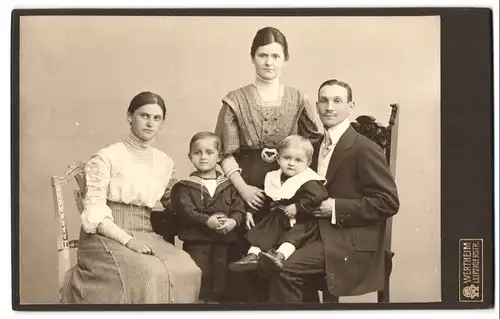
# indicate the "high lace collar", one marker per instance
pixel 261 81
pixel 136 143
pixel 269 90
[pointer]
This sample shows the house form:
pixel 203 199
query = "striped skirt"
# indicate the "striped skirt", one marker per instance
pixel 108 272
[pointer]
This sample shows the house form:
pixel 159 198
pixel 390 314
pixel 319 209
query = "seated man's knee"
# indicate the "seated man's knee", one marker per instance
pixel 287 273
pixel 290 266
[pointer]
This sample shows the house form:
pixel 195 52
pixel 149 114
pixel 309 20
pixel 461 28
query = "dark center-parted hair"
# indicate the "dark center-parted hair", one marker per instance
pixel 145 98
pixel 339 83
pixel 267 36
pixel 206 135
pixel 297 141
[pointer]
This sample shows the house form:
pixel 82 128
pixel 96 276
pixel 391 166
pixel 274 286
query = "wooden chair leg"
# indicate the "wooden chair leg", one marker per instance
pixel 328 297
pixel 384 295
pixel 311 294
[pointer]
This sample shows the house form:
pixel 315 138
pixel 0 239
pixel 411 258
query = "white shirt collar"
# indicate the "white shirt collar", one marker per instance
pixel 338 130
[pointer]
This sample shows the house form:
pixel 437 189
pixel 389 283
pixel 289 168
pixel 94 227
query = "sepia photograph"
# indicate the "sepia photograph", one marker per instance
pixel 213 159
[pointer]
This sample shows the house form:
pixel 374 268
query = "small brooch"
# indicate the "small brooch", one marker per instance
pixel 268 155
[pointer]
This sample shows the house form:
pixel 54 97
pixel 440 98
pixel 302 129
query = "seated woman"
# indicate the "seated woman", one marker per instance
pixel 120 258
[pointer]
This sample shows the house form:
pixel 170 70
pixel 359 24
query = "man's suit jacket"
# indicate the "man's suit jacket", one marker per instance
pixel 359 179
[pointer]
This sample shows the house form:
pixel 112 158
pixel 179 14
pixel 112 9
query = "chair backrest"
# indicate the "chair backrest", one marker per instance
pixel 386 137
pixel 64 244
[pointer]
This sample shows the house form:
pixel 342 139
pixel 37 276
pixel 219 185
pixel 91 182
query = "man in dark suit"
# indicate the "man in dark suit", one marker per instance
pixel 363 194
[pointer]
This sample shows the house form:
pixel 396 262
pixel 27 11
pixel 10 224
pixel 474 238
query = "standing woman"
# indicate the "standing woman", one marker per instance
pixel 255 118
pixel 120 258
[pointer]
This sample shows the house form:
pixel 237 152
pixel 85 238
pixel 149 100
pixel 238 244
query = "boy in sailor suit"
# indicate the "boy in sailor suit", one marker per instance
pixel 209 210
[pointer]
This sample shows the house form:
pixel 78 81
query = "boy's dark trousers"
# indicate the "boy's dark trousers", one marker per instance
pixel 213 259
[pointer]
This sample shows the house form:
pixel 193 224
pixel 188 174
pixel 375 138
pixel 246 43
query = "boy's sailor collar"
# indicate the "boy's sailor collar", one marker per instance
pixel 275 190
pixel 196 181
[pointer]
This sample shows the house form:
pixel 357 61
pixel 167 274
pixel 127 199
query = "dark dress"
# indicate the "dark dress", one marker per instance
pixel 211 251
pixel 247 125
pixel 275 227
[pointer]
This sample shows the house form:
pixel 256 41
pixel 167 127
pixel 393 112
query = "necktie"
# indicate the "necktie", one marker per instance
pixel 327 145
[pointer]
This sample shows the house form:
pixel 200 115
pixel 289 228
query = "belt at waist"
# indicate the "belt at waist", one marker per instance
pixel 268 155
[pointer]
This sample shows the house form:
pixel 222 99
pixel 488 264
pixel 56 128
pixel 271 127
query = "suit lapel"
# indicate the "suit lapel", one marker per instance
pixel 340 152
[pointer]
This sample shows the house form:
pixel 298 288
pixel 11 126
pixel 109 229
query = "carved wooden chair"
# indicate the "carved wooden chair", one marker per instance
pixel 386 137
pixel 64 244
pixel 162 223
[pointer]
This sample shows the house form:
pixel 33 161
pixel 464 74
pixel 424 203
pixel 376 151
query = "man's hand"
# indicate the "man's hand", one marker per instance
pixel 325 209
